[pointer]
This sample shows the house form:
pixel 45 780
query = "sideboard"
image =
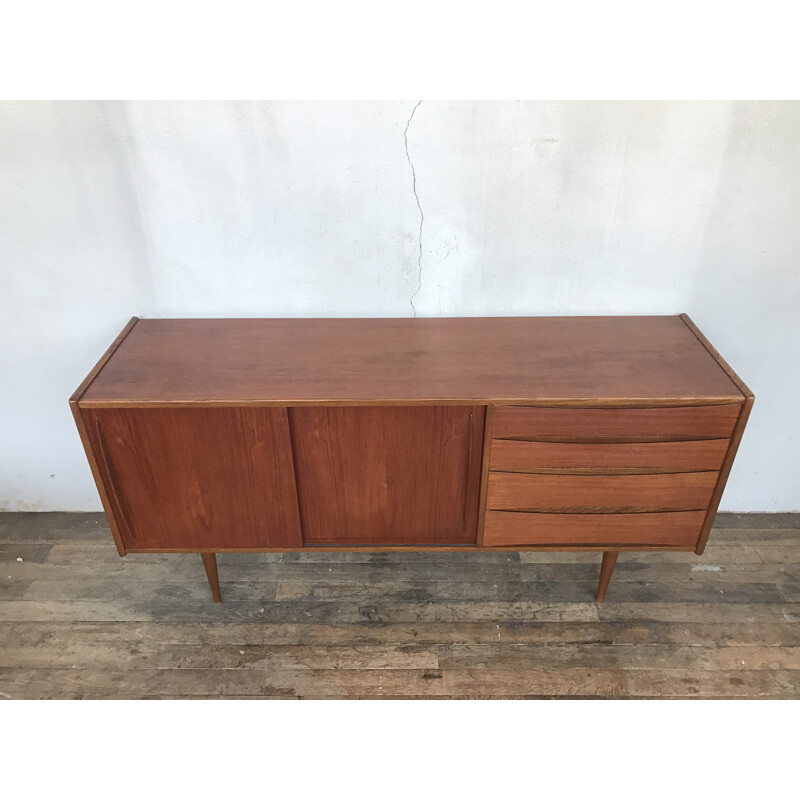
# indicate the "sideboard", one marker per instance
pixel 502 433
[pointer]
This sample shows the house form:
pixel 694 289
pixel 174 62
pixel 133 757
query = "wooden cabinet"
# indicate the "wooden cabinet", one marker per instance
pixel 600 433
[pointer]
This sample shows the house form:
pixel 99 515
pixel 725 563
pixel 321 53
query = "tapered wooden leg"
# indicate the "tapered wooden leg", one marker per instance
pixel 210 563
pixel 609 560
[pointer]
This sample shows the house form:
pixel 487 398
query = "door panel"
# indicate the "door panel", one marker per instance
pixel 193 478
pixel 388 474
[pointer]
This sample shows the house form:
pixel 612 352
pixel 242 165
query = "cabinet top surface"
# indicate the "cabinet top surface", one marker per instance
pixel 479 359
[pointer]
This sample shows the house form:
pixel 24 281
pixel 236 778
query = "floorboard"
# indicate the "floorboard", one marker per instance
pixel 77 621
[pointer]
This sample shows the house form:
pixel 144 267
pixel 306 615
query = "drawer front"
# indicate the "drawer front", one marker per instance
pixel 614 424
pixel 687 491
pixel 702 455
pixel 514 528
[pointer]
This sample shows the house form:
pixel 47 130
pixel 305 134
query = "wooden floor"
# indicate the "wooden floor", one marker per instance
pixel 78 621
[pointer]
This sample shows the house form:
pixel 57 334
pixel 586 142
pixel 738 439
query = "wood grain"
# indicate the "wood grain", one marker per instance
pixel 677 528
pixel 509 455
pixel 388 475
pixel 103 360
pixel 615 424
pixel 688 491
pixel 198 478
pixel 655 360
pixel 740 384
pixel 118 640
pixel 400 683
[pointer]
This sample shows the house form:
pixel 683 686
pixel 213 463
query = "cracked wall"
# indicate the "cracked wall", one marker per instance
pixel 421 214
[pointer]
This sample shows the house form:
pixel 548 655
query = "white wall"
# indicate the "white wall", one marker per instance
pixel 306 209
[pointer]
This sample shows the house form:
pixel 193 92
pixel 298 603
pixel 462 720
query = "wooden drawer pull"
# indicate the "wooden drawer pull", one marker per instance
pixel 687 491
pixel 614 424
pixel 510 455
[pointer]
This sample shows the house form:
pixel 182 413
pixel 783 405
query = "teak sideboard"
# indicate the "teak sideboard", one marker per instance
pixel 516 433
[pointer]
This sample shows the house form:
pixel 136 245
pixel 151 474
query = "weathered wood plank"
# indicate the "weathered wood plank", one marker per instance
pixel 778 553
pixel 43 527
pixel 119 655
pixel 728 519
pixel 145 592
pixel 699 683
pixel 19 683
pixel 126 570
pixel 434 591
pixel 31 610
pixel 700 612
pixel 396 592
pixel 122 655
pixel 325 612
pixel 306 683
pixel 790 588
pixel 755 535
pixel 518 591
pixel 13 590
pixel 11 551
pixel 99 555
pixel 626 657
pixel 714 554
pixel 643 632
pixel 246 570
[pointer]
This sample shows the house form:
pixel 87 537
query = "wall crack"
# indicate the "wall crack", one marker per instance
pixel 421 215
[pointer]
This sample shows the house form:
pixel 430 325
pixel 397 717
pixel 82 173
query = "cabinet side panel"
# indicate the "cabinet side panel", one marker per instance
pixel 199 478
pixel 389 474
pixel 99 478
pixel 727 463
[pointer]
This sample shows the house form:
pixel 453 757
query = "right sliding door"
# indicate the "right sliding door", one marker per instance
pixel 387 475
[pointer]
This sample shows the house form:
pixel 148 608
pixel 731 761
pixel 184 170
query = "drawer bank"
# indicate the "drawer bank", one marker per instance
pixel 518 433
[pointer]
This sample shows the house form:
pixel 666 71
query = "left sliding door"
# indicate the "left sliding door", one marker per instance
pixel 197 478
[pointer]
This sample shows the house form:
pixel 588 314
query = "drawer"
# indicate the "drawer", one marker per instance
pixel 701 455
pixel 685 491
pixel 515 528
pixel 614 424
